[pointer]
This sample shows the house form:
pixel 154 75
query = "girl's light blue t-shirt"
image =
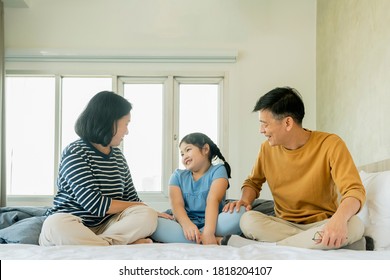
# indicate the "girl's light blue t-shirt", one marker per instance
pixel 195 192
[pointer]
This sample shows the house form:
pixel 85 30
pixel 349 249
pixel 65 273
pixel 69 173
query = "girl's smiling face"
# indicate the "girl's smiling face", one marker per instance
pixel 194 158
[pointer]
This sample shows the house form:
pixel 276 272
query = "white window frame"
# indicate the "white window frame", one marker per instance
pixel 222 116
pixel 173 79
pixel 46 200
pixel 171 94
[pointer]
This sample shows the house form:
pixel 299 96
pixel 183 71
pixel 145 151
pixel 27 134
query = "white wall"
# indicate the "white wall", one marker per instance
pixel 353 66
pixel 275 39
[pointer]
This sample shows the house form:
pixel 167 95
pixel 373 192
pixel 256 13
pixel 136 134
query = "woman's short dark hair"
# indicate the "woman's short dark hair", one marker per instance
pixel 282 102
pixel 98 122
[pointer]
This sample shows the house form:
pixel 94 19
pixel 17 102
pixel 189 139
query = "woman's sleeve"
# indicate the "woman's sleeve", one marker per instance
pixel 77 174
pixel 130 193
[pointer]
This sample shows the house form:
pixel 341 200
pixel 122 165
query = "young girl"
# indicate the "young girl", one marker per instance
pixel 197 196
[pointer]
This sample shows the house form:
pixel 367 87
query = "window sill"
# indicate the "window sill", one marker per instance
pixel 158 201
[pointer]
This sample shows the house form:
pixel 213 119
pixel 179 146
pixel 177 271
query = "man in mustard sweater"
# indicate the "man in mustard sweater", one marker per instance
pixel 314 182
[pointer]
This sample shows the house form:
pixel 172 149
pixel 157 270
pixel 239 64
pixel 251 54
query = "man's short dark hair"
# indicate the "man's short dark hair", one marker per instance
pixel 282 102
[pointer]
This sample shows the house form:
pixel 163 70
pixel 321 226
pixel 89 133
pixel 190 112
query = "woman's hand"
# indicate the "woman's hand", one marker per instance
pixel 191 232
pixel 165 216
pixel 118 206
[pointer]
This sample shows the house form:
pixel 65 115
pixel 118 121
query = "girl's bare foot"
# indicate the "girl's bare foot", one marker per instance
pixel 143 241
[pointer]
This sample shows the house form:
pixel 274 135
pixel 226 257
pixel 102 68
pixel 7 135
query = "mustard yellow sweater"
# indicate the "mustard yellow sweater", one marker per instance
pixel 304 182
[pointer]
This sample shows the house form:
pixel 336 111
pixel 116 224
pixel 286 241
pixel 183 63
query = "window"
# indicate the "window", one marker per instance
pixel 29 122
pixel 198 110
pixel 41 112
pixel 76 92
pixel 165 109
pixel 143 147
pixel 33 125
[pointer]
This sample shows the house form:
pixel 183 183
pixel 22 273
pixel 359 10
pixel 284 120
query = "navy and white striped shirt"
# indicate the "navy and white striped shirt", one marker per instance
pixel 88 180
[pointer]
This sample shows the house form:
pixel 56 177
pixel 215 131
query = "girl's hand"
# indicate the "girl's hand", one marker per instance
pixel 208 239
pixel 191 232
pixel 165 216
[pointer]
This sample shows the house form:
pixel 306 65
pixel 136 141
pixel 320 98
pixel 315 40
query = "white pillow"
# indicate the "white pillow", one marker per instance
pixel 364 216
pixel 375 214
pixel 380 234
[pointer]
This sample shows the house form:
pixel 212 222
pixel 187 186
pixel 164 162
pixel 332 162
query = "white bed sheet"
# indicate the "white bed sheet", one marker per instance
pixel 181 252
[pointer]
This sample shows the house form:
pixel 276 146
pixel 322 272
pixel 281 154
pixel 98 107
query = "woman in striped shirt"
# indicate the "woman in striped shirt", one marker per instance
pixel 96 202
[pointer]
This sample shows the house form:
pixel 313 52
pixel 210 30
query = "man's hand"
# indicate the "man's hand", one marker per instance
pixel 335 233
pixel 236 205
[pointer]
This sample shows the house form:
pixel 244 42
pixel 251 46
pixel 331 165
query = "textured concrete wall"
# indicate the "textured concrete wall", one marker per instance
pixel 353 75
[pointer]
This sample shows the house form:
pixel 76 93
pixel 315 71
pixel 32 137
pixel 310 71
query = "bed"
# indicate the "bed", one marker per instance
pixel 375 215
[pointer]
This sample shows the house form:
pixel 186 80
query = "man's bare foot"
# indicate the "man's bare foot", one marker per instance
pixel 143 241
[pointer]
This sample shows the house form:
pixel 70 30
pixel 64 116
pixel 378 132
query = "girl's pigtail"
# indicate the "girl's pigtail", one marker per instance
pixel 215 151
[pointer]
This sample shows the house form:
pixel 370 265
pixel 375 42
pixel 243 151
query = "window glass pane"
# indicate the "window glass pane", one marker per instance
pixel 30 116
pixel 143 146
pixel 198 111
pixel 29 131
pixel 76 93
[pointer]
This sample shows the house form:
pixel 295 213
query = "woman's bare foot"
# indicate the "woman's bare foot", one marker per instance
pixel 219 239
pixel 143 241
